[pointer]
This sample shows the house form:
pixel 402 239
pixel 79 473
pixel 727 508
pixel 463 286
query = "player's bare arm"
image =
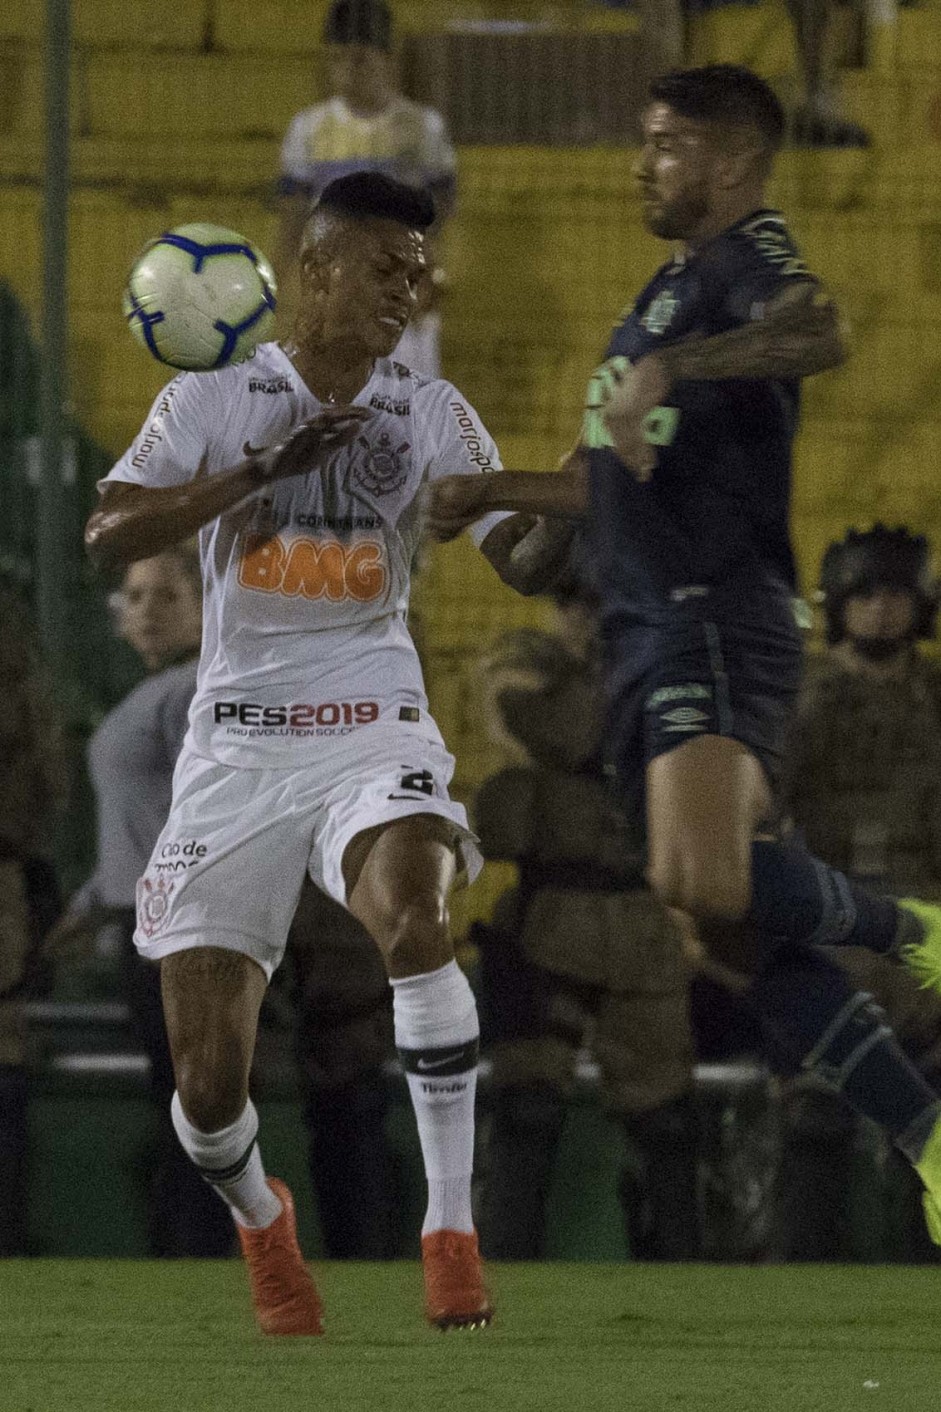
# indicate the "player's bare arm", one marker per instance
pixel 457 501
pixel 136 522
pixel 798 335
pixel 528 551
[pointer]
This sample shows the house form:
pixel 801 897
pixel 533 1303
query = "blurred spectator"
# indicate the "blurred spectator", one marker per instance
pixel 131 758
pixel 366 123
pixel 865 791
pixel 32 793
pixel 343 1037
pixel 342 1023
pixel 578 954
pixel 817 120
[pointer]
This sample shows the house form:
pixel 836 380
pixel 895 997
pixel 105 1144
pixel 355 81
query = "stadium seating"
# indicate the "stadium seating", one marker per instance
pixel 177 113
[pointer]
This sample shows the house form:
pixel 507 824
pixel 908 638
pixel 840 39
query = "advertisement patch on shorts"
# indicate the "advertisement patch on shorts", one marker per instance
pixel 299 720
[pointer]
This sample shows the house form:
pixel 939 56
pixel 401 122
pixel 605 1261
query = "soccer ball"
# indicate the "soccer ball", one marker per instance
pixel 200 297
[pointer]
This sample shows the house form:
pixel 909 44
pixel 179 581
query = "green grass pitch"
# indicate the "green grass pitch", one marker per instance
pixel 134 1336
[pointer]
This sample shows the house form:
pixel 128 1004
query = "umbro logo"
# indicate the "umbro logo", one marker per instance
pixel 684 718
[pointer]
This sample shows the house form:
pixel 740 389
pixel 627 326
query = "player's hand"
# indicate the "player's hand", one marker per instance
pixel 639 390
pixel 454 502
pixel 307 444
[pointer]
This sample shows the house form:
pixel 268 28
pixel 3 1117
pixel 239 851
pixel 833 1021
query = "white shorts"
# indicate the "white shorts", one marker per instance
pixel 228 867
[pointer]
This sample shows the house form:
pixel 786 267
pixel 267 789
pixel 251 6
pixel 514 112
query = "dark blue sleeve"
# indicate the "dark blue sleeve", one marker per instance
pixel 747 267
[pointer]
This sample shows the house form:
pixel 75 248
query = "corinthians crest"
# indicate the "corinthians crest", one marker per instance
pixel 153 904
pixel 381 470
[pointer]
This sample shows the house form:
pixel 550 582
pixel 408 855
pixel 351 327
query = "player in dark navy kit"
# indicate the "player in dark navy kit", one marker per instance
pixel 684 466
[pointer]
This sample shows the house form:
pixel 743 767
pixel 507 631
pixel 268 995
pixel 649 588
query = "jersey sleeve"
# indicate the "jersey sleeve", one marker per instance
pixel 173 442
pixel 456 443
pixel 752 264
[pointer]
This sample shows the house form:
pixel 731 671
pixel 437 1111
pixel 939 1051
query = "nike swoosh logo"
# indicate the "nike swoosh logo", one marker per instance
pixel 249 450
pixel 438 1063
pixel 419 794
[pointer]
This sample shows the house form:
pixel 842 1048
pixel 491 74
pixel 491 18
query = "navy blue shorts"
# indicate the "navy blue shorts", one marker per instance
pixel 706 666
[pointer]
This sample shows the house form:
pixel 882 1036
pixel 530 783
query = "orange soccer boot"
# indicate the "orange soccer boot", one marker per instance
pixel 284 1295
pixel 455 1294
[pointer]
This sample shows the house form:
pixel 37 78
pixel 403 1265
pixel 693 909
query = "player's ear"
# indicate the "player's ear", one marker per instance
pixel 313 269
pixel 741 154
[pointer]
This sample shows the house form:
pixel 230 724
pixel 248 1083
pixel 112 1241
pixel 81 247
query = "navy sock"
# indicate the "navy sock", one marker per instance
pixel 797 898
pixel 814 1022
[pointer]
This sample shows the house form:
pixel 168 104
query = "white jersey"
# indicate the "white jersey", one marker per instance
pixel 306 584
pixel 330 140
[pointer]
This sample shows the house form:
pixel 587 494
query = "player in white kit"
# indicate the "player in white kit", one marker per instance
pixel 310 746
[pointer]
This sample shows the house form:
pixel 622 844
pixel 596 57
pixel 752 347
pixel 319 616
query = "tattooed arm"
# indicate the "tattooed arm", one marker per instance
pixel 797 335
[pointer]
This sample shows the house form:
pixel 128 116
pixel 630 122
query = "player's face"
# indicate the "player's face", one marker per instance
pixel 359 74
pixel 372 286
pixel 161 611
pixel 674 172
pixel 885 615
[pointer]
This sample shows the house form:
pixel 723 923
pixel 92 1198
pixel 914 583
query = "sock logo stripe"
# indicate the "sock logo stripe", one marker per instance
pixel 218 1176
pixel 441 1063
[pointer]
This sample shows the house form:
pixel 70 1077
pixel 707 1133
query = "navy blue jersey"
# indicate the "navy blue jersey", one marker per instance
pixel 716 510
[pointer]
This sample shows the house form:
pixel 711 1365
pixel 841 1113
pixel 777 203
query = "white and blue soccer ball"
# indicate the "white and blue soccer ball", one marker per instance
pixel 200 297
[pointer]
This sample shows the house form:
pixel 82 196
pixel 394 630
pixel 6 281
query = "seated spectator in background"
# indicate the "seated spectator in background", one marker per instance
pixel 366 123
pixel 131 758
pixel 343 1037
pixel 32 794
pixel 816 121
pixel 864 790
pixel 343 1019
pixel 579 953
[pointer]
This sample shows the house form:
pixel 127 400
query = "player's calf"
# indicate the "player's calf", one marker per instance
pixel 416 938
pixel 713 892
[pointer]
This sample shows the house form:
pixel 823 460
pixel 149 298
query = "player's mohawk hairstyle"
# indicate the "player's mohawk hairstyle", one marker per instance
pixel 362 195
pixel 723 93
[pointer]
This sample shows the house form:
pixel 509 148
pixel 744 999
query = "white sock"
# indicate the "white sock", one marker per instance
pixel 231 1163
pixel 436 1035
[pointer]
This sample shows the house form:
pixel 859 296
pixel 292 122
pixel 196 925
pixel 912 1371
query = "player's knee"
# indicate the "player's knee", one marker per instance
pixel 213 1094
pixel 417 937
pixel 706 890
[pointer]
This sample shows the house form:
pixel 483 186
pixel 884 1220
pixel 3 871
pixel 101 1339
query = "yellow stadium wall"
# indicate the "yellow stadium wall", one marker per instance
pixel 546 249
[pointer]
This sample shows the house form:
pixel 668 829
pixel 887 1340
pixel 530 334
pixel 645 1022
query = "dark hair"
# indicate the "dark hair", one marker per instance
pixel 371 194
pixel 723 93
pixel 186 558
pixel 864 560
pixel 359 22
